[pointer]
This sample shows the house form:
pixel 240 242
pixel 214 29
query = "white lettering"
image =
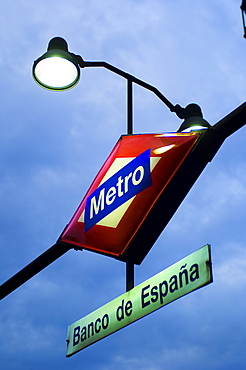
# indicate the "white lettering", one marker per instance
pixel 122 187
pixel 119 183
pixel 126 181
pixel 110 196
pixel 136 181
pixel 94 206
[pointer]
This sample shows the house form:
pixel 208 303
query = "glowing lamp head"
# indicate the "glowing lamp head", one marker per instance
pixel 194 120
pixel 57 69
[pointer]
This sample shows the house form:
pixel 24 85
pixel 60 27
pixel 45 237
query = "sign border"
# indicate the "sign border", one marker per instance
pixel 154 293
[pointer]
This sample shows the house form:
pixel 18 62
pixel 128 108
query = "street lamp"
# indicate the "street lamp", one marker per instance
pixel 208 143
pixel 59 70
pixel 65 74
pixel 194 120
pixel 210 138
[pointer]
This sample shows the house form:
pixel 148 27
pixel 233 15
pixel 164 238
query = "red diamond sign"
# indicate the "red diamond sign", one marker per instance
pixel 124 191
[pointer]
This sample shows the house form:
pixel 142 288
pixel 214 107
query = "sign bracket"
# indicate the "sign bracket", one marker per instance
pixel 129 276
pixel 129 265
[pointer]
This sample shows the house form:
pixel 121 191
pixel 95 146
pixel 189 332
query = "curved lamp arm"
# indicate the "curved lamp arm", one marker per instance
pixel 69 71
pixel 180 112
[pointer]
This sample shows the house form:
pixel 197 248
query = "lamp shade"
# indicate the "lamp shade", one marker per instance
pixel 57 69
pixel 194 120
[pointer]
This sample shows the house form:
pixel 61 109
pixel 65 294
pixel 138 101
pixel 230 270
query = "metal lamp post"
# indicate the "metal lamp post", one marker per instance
pixel 58 70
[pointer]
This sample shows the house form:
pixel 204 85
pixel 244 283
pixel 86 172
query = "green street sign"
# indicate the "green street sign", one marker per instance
pixel 191 273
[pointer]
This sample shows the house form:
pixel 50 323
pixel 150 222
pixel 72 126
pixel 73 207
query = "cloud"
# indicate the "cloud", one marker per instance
pixel 52 146
pixel 230 273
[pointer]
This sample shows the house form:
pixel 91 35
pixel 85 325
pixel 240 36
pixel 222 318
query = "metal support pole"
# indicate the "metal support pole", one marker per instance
pixel 45 259
pixel 129 108
pixel 129 276
pixel 129 266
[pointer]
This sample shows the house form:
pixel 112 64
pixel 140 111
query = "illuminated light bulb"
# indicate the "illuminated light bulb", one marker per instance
pixel 56 73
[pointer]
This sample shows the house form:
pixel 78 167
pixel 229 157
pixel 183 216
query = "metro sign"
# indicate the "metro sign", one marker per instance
pixel 125 191
pixel 129 181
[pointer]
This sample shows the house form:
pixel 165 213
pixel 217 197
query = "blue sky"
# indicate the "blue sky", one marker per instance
pixel 53 144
